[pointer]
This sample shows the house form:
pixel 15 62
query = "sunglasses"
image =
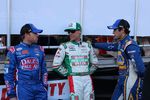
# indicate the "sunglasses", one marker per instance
pixel 71 31
pixel 115 29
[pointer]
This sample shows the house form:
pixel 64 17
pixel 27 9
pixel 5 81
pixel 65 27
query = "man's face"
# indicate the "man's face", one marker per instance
pixel 32 37
pixel 74 35
pixel 118 34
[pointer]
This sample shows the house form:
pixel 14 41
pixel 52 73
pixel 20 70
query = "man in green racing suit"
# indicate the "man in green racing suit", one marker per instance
pixel 76 60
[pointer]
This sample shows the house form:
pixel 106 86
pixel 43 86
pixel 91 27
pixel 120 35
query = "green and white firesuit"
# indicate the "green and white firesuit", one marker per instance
pixel 77 61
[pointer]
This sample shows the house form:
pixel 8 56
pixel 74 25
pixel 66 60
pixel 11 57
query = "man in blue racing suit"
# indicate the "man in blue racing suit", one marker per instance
pixel 26 60
pixel 129 60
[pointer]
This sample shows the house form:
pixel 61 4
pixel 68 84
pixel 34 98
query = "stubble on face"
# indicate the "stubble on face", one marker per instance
pixel 75 36
pixel 33 38
pixel 119 35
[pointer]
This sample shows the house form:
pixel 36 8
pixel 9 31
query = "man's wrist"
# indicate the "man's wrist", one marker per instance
pixel 12 95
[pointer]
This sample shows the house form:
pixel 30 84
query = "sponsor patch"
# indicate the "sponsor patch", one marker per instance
pixel 58 53
pixel 133 51
pixel 36 50
pixel 30 63
pixel 25 52
pixel 72 48
pixel 79 57
pixel 18 49
pixel 5 70
pixel 37 54
pixel 71 25
pixel 12 49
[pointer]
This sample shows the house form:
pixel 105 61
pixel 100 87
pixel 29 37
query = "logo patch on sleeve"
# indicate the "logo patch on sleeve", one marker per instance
pixel 12 49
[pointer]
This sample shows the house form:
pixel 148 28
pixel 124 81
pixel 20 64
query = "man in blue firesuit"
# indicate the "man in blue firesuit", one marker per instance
pixel 26 61
pixel 129 60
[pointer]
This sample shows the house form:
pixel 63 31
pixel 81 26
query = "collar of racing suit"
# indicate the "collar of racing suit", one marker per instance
pixel 76 43
pixel 125 39
pixel 25 44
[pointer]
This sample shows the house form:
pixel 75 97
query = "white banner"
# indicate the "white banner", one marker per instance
pixel 57 90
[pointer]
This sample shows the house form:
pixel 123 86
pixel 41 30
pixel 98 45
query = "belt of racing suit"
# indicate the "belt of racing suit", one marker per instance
pixel 29 82
pixel 79 73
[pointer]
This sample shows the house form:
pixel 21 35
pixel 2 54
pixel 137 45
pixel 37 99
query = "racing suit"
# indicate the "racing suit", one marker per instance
pixel 131 68
pixel 77 61
pixel 27 63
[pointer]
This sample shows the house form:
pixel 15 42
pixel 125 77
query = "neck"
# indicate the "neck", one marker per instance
pixel 77 40
pixel 27 42
pixel 123 36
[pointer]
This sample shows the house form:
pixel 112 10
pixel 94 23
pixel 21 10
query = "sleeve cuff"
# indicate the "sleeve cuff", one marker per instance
pixel 12 95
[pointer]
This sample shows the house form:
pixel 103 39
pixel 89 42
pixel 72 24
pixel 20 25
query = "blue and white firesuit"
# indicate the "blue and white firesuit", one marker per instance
pixel 131 68
pixel 27 61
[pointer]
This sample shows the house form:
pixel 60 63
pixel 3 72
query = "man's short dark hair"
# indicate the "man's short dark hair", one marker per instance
pixel 119 24
pixel 27 28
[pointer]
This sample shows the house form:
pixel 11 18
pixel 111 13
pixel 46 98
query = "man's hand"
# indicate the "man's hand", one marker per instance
pixel 88 41
pixel 96 51
pixel 14 98
pixel 93 69
pixel 91 43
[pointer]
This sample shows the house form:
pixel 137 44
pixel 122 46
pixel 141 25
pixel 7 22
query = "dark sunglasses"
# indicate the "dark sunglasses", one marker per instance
pixel 71 31
pixel 115 29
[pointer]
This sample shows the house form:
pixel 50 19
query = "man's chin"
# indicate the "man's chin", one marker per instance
pixel 34 42
pixel 115 39
pixel 72 39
